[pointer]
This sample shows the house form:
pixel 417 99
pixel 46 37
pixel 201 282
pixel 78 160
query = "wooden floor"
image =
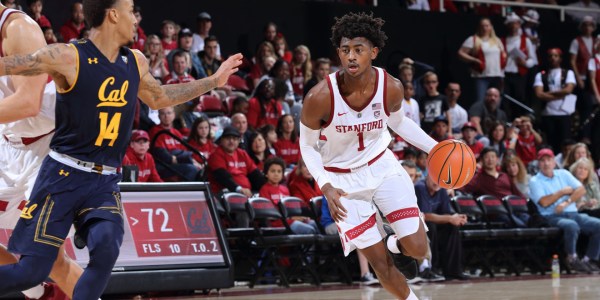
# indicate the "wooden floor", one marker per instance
pixel 514 288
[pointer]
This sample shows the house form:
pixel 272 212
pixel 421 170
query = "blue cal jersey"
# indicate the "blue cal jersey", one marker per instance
pixel 95 116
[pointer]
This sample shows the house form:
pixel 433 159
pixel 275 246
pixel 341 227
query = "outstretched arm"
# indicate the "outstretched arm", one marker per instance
pixel 158 96
pixel 23 36
pixel 404 127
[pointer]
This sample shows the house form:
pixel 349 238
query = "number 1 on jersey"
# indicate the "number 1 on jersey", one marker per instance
pixel 361 143
pixel 108 130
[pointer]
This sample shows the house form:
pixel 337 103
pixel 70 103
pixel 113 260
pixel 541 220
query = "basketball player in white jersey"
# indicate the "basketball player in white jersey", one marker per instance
pixel 344 140
pixel 26 126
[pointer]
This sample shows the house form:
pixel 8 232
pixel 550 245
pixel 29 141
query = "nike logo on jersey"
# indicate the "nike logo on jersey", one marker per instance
pixel 341 114
pixel 449 181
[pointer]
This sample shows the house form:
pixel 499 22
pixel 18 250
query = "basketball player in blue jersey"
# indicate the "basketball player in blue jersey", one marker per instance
pixel 26 126
pixel 98 82
pixel 344 142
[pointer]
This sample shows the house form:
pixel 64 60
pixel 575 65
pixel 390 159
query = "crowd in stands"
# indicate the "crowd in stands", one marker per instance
pixel 247 139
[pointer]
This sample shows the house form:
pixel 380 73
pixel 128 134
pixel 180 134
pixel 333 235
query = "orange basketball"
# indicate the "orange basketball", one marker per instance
pixel 451 164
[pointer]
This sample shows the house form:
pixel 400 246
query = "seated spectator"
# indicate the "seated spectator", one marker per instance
pixel 263 108
pixel 441 129
pixel 589 203
pixel 270 134
pixel 555 193
pixel 239 105
pixel 303 185
pixel 484 113
pixel 231 168
pixel 181 165
pixel 300 71
pixel 184 44
pixel 516 170
pixel 208 57
pixel 322 69
pixel 287 145
pixel 35 9
pixel 457 113
pixel 275 191
pixel 201 138
pixel 157 61
pixel 281 91
pixel 168 36
pixel 282 49
pixel 72 28
pixel 497 139
pixel 139 39
pixel 444 234
pixel 204 24
pixel 137 154
pixel 421 163
pixel 488 181
pixel 566 147
pixel 527 140
pixel 49 35
pixel 257 149
pixel 260 68
pixel 410 105
pixel 433 104
pixel 469 131
pixel 240 122
pixel 180 67
pixel 579 150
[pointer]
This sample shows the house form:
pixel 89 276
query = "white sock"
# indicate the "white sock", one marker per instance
pixel 424 265
pixel 35 292
pixel 412 295
pixel 392 244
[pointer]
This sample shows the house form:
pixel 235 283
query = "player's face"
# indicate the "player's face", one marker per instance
pixel 275 173
pixel 259 144
pixel 203 129
pixel 127 23
pixel 140 147
pixel 356 55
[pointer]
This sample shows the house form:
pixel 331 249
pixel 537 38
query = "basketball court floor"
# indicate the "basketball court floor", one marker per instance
pixel 572 287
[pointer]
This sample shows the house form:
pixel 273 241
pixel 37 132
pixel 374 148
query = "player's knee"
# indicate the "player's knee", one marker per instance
pixel 104 241
pixel 415 246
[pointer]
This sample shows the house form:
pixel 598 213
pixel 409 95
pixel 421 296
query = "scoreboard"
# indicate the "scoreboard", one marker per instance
pixel 173 240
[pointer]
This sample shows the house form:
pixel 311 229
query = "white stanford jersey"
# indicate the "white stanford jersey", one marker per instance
pixel 354 137
pixel 31 127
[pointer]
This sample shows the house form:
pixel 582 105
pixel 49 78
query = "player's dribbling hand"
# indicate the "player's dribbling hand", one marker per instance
pixel 227 68
pixel 332 195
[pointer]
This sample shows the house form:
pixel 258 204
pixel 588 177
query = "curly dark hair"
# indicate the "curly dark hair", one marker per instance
pixel 360 24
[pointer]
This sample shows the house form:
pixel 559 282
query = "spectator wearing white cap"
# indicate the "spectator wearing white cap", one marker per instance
pixel 578 15
pixel 204 23
pixel 521 57
pixel 531 20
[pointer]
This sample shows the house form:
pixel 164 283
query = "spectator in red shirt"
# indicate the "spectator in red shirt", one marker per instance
pixel 282 48
pixel 179 74
pixel 231 168
pixel 49 35
pixel 263 108
pixel 469 132
pixel 527 140
pixel 257 149
pixel 270 134
pixel 303 185
pixel 139 39
pixel 201 138
pixel 157 61
pixel 287 145
pixel 301 70
pixel 489 181
pixel 72 28
pixel 137 154
pixel 168 36
pixel 261 67
pixel 275 191
pixel 181 165
pixel 35 10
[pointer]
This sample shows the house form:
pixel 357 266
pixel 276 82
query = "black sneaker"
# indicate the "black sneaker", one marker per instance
pixel 406 264
pixel 429 276
pixel 591 266
pixel 575 264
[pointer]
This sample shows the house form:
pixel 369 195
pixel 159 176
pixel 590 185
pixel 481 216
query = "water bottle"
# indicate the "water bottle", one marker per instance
pixel 555 266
